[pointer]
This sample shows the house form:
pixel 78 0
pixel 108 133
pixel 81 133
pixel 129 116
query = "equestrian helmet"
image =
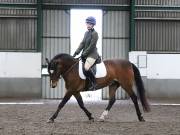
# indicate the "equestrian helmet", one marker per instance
pixel 91 20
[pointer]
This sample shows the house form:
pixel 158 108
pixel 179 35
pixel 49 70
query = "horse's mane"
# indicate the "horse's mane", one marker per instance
pixel 64 56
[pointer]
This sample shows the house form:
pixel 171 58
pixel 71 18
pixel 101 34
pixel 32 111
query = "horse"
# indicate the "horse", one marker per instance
pixel 119 73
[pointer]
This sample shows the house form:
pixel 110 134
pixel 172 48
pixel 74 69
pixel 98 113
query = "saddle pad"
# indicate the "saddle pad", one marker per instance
pixel 100 70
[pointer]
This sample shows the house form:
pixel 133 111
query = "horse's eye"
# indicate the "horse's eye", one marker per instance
pixel 51 71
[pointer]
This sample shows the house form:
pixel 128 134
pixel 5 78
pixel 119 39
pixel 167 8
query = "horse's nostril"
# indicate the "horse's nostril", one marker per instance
pixel 54 85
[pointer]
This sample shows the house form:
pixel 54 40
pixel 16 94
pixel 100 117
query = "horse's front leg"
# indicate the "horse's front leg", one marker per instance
pixel 81 104
pixel 62 103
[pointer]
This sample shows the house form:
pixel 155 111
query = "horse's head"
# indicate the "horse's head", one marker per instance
pixel 58 66
pixel 54 70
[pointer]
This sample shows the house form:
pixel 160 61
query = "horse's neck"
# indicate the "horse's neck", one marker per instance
pixel 70 69
pixel 68 66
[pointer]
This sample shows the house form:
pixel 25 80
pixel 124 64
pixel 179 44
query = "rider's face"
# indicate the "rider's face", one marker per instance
pixel 89 26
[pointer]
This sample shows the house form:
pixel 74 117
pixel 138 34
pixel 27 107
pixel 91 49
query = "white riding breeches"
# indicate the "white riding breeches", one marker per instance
pixel 89 62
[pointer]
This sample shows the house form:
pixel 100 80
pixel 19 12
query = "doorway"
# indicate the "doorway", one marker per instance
pixel 78 28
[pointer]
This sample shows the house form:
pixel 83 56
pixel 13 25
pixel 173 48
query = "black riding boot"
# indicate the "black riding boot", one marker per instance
pixel 92 79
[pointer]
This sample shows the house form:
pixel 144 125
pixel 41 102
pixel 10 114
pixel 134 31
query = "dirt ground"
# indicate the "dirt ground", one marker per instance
pixel 31 119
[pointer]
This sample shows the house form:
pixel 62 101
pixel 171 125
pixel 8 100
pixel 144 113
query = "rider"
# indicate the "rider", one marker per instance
pixel 89 54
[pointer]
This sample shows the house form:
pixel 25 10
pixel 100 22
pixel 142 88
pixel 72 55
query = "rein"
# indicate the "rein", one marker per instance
pixel 67 71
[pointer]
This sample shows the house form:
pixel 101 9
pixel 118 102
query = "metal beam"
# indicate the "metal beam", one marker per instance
pixel 157 7
pixel 115 37
pixel 132 26
pixel 15 16
pixel 87 6
pixel 18 5
pixel 157 18
pixel 39 25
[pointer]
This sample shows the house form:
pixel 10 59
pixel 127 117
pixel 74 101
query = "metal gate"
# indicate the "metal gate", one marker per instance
pixel 115 43
pixel 56 39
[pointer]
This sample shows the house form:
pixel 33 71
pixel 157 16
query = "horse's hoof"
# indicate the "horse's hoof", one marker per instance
pixel 142 120
pixel 50 121
pixel 91 119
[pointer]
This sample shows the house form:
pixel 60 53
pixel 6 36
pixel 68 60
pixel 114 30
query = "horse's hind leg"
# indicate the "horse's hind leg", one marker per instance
pixel 135 101
pixel 81 104
pixel 138 112
pixel 112 90
pixel 63 102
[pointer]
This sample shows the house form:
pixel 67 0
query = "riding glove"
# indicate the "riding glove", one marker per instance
pixel 83 56
pixel 74 55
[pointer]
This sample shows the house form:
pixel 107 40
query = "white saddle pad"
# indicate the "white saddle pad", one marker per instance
pixel 100 70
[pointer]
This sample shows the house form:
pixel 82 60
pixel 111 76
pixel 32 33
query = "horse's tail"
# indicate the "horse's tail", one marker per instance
pixel 141 89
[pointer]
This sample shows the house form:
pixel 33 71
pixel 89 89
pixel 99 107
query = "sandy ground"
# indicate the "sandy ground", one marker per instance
pixel 31 119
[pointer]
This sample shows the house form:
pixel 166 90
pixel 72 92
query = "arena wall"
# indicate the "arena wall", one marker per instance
pixel 160 72
pixel 20 74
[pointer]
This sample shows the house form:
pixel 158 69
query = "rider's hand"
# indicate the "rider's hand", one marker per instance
pixel 74 55
pixel 82 56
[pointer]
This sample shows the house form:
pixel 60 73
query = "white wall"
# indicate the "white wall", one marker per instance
pixel 161 75
pixel 163 66
pixel 156 66
pixel 20 65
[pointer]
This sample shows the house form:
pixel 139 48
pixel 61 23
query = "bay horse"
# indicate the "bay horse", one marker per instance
pixel 119 73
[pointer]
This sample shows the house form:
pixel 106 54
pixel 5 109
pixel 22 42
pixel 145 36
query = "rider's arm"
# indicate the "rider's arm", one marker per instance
pixel 81 46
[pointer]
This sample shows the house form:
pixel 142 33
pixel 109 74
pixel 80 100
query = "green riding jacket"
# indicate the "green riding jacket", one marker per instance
pixel 88 45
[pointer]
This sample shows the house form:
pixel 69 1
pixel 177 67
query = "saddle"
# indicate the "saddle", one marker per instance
pixel 99 70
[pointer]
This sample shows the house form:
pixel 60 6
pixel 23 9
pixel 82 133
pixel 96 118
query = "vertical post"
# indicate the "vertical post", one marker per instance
pixel 39 25
pixel 132 26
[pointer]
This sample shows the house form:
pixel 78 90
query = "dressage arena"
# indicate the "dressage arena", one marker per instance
pixel 144 32
pixel 27 117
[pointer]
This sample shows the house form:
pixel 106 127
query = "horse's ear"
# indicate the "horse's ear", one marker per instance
pixel 47 60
